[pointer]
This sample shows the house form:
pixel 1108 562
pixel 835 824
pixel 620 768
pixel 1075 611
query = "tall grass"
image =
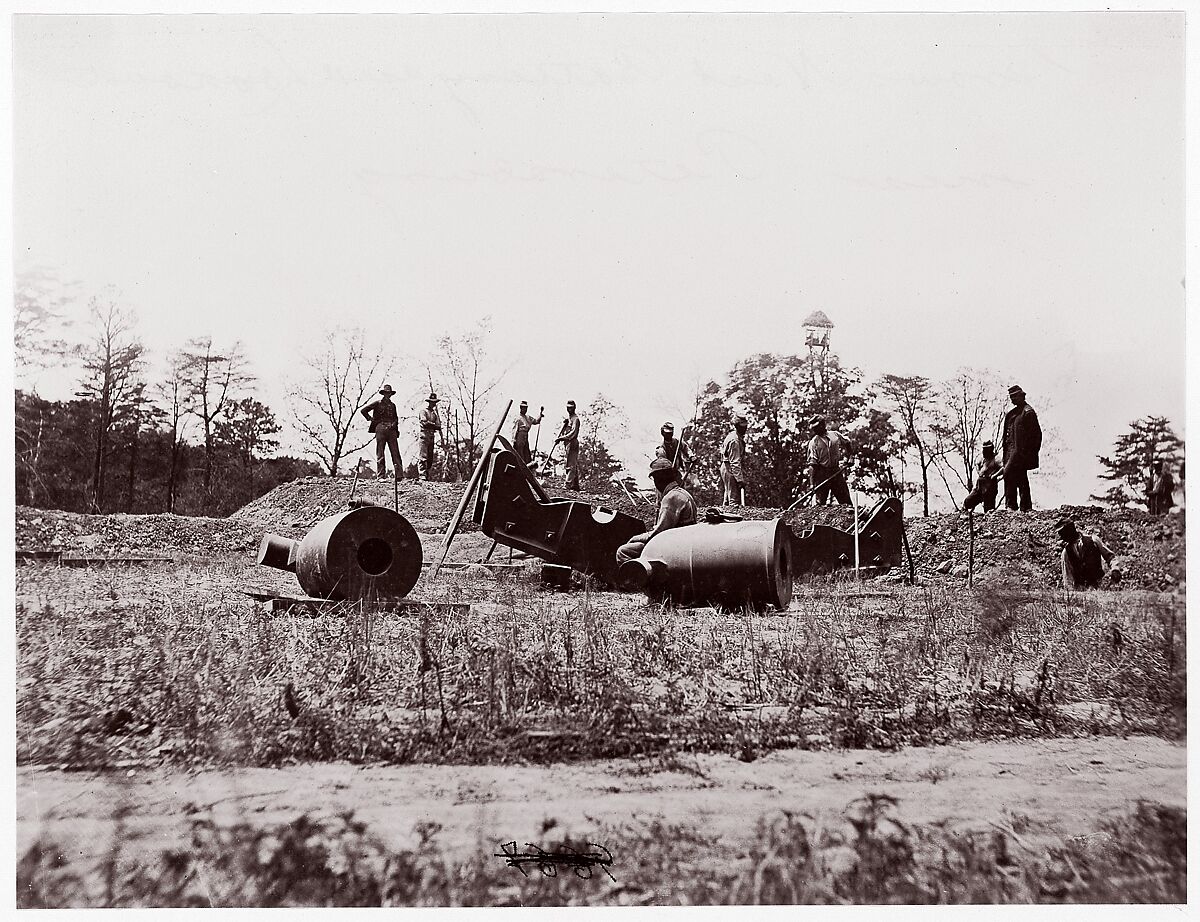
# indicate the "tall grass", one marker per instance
pixel 120 667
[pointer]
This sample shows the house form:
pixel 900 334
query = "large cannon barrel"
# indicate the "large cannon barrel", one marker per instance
pixel 366 553
pixel 728 564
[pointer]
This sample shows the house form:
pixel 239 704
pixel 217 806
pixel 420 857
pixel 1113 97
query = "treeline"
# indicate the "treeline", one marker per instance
pixel 122 443
pixel 191 436
pixel 911 436
pixel 186 432
pixel 145 470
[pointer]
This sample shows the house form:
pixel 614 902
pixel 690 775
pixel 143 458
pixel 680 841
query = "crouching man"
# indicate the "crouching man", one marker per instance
pixel 676 508
pixel 1084 558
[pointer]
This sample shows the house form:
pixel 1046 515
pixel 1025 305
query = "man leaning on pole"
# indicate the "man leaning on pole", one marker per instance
pixel 827 453
pixel 733 468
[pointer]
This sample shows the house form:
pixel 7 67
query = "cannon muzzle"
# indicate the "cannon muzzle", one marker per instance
pixel 365 553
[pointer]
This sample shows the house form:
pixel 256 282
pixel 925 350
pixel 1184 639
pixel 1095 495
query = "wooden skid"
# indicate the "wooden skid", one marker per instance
pixel 39 556
pixel 314 608
pixel 106 561
pixel 461 565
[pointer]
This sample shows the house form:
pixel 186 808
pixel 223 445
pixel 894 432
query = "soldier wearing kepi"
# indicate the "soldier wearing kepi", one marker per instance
pixel 674 450
pixel 1084 558
pixel 733 471
pixel 676 508
pixel 569 436
pixel 985 484
pixel 827 452
pixel 521 426
pixel 431 424
pixel 385 423
pixel 1022 442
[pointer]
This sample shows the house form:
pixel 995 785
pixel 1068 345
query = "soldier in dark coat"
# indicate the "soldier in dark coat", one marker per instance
pixel 1022 442
pixel 385 423
pixel 1161 498
pixel 1085 558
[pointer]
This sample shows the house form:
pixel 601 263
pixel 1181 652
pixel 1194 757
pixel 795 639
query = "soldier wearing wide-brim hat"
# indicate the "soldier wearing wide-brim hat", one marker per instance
pixel 676 508
pixel 431 425
pixel 385 424
pixel 1022 441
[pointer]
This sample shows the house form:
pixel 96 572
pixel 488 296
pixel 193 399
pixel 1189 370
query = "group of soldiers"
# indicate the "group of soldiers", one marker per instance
pixel 385 425
pixel 1085 557
pixel 828 452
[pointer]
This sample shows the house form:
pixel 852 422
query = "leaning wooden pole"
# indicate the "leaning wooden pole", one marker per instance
pixel 466 497
pixel 971 550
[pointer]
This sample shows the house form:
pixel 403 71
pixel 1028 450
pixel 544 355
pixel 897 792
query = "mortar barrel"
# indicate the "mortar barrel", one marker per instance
pixel 727 564
pixel 367 553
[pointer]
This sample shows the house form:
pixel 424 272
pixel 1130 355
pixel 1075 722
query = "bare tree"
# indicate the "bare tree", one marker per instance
pixel 972 402
pixel 463 363
pixel 326 400
pixel 211 380
pixel 913 398
pixel 174 395
pixel 112 366
pixel 40 300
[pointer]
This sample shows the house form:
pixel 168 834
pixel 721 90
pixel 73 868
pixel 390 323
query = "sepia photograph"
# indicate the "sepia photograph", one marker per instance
pixel 599 459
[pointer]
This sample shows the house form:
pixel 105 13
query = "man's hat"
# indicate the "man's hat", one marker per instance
pixel 1066 530
pixel 662 465
pixel 816 421
pixel 387 389
pixel 740 421
pixel 570 404
pixel 668 427
pixel 1014 390
pixel 989 447
pixel 524 404
pixel 433 398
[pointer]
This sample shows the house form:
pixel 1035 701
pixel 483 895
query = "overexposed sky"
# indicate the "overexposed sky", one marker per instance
pixel 637 200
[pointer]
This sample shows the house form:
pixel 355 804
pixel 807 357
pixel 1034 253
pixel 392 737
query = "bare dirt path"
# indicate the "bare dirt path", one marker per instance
pixel 1044 789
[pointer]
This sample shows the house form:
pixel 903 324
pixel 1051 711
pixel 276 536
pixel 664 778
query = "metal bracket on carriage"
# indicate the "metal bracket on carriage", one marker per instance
pixel 513 509
pixel 821 548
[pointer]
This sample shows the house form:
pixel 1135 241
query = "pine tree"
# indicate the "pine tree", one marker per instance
pixel 1131 465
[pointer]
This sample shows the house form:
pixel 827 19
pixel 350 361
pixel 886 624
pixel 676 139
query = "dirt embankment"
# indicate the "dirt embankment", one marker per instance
pixel 1020 548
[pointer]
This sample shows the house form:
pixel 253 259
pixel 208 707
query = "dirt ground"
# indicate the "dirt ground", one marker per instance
pixel 1042 790
pixel 1037 790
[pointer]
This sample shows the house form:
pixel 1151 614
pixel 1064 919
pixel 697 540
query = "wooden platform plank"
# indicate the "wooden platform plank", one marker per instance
pixel 106 561
pixel 314 608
